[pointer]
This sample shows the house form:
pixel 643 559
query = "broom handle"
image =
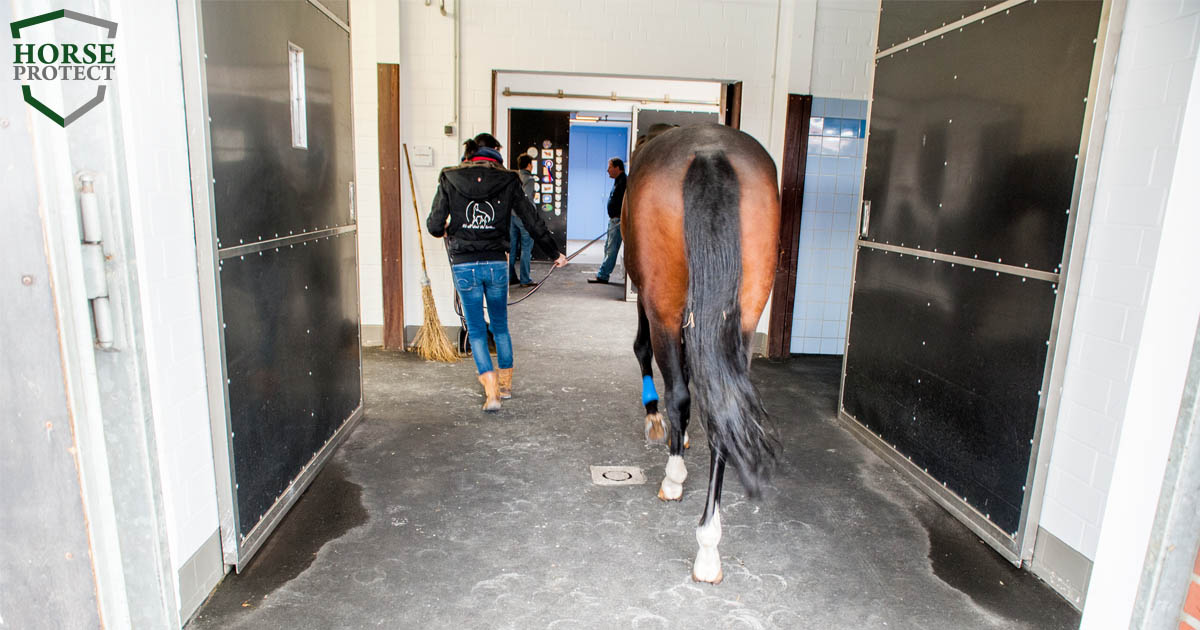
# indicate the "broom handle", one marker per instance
pixel 416 211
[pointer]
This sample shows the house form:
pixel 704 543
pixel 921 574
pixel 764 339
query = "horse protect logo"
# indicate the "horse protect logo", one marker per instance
pixel 37 64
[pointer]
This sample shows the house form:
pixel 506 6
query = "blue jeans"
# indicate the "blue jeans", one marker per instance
pixel 476 283
pixel 612 245
pixel 522 244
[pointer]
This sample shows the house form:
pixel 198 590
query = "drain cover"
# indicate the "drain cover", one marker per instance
pixel 618 476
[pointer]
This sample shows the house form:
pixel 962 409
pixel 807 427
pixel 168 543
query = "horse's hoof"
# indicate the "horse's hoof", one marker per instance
pixel 714 581
pixel 687 442
pixel 662 495
pixel 656 432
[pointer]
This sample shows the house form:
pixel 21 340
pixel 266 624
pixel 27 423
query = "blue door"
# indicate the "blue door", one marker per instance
pixel 587 170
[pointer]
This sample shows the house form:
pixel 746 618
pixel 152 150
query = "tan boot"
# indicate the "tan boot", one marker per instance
pixel 491 390
pixel 505 383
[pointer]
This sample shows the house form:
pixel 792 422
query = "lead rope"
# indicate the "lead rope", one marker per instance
pixel 552 267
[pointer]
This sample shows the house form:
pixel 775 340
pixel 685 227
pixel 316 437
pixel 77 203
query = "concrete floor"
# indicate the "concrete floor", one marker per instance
pixel 435 515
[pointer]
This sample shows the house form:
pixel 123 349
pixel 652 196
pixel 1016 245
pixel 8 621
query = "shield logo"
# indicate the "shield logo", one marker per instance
pixel 27 91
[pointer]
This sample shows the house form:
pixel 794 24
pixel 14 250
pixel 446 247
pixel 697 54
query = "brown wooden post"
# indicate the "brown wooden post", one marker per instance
pixel 795 154
pixel 390 206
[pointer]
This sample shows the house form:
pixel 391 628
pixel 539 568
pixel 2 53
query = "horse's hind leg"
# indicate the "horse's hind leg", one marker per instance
pixel 668 351
pixel 707 567
pixel 655 430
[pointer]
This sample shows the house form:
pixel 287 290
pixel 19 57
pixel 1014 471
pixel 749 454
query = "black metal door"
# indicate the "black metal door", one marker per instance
pixel 278 95
pixel 971 168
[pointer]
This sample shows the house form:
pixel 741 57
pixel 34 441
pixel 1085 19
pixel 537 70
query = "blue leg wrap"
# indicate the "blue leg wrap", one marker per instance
pixel 649 394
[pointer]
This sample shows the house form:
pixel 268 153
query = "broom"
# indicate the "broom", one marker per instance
pixel 430 343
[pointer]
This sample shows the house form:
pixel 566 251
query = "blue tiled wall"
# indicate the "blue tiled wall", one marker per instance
pixel 833 177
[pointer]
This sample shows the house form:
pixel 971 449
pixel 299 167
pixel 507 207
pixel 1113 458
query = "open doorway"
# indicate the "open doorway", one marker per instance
pixel 590 119
pixel 595 139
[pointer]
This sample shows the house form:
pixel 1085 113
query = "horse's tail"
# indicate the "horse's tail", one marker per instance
pixel 717 352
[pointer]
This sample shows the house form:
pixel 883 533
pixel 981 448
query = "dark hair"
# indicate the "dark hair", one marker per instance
pixel 524 160
pixel 484 139
pixel 617 162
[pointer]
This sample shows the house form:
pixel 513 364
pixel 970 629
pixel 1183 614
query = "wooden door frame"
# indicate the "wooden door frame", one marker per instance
pixel 390 211
pixel 731 104
pixel 795 158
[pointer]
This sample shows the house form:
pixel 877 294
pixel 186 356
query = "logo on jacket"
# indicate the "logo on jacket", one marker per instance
pixel 480 216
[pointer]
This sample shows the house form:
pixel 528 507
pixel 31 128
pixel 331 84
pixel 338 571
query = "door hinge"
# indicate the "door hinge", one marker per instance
pixel 95 278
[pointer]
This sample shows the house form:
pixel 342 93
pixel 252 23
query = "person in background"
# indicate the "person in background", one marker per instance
pixel 473 208
pixel 522 242
pixel 612 244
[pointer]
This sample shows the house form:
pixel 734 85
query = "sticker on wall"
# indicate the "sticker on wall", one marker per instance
pixel 532 152
pixel 547 198
pixel 546 154
pixel 557 199
pixel 546 144
pixel 558 152
pixel 547 178
pixel 549 164
pixel 547 208
pixel 557 211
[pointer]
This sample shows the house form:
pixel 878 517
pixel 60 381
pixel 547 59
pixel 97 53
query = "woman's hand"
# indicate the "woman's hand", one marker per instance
pixel 561 261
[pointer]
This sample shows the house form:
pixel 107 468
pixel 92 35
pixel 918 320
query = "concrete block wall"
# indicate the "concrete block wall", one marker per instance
pixel 843 57
pixel 1153 75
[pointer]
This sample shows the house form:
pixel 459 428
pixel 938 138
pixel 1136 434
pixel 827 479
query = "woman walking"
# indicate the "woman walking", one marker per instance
pixel 474 204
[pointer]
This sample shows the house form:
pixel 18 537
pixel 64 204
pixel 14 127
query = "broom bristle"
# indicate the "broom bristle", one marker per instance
pixel 431 342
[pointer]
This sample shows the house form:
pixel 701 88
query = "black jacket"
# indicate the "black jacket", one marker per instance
pixel 478 198
pixel 616 197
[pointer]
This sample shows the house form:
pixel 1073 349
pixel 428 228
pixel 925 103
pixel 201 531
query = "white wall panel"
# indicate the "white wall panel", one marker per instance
pixel 1153 74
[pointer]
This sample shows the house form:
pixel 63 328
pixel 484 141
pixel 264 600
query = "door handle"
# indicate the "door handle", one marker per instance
pixel 866 218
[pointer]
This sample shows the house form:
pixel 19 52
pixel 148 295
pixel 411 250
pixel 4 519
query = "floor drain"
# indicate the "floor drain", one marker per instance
pixel 617 476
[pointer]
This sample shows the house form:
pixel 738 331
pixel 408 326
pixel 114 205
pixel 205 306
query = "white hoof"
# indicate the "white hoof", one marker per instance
pixel 707 567
pixel 672 483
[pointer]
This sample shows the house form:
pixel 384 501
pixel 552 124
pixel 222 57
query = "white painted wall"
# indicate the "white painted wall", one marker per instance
pixel 154 142
pixel 1137 170
pixel 1168 313
pixel 843 50
pixel 374 39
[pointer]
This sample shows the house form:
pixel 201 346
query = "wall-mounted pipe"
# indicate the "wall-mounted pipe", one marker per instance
pixel 666 98
pixel 452 128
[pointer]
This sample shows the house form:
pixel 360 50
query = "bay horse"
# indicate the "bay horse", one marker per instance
pixel 701 230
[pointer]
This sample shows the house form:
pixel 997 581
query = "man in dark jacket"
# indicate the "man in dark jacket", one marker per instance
pixel 521 250
pixel 612 244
